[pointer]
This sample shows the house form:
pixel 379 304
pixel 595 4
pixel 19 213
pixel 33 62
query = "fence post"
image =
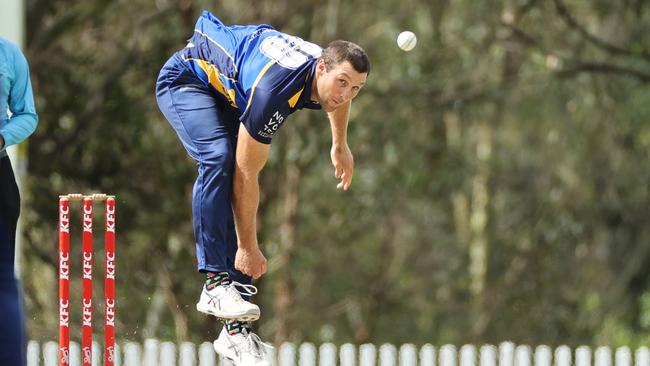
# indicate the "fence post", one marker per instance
pixel 522 356
pixel 51 354
pixel 506 354
pixel 563 356
pixel 207 356
pixel 387 355
pixel 348 355
pixel 428 355
pixel 447 355
pixel 467 355
pixel 367 355
pixel 488 355
pixel 271 354
pixel 543 356
pixel 327 356
pixel 75 354
pixel 603 357
pixel 167 354
pixel 583 356
pixel 307 355
pixel 118 355
pixel 287 354
pixel 33 354
pixel 151 349
pixel 97 354
pixel 642 357
pixel 132 354
pixel 187 354
pixel 623 357
pixel 407 355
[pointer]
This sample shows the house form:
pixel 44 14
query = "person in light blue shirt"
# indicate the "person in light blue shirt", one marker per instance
pixel 18 120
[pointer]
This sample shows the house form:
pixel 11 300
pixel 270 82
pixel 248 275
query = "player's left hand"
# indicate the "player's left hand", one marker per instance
pixel 343 165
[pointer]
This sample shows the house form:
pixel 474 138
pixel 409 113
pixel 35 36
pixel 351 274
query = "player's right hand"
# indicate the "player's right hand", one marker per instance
pixel 343 165
pixel 251 262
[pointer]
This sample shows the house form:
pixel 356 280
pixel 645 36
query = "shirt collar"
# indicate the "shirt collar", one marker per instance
pixel 305 99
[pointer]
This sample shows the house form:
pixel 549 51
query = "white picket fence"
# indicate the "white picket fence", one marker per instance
pixel 155 353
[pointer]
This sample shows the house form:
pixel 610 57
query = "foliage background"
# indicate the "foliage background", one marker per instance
pixel 501 183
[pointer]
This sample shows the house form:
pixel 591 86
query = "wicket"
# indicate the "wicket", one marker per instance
pixel 87 281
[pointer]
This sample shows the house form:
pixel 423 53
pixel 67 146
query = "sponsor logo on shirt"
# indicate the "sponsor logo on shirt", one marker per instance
pixel 272 125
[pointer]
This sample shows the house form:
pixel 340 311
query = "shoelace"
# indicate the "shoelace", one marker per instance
pixel 252 343
pixel 248 290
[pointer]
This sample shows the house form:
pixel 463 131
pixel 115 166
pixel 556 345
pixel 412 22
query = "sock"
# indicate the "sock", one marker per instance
pixel 236 327
pixel 215 279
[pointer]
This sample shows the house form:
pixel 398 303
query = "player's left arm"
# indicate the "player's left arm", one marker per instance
pixel 341 155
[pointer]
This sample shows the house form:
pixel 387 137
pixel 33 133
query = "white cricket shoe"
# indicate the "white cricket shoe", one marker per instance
pixel 225 302
pixel 244 349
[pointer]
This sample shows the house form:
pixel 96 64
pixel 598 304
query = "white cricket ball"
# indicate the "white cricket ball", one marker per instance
pixel 406 40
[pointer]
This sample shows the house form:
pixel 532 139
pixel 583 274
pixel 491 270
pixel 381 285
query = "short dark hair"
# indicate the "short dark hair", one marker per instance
pixel 341 51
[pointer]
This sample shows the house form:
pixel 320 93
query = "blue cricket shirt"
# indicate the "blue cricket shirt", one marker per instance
pixel 265 74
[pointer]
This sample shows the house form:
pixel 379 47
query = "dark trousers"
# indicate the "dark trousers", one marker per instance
pixel 12 332
pixel 207 127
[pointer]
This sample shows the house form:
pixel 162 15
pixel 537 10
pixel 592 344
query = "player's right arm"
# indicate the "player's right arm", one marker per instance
pixel 251 156
pixel 24 119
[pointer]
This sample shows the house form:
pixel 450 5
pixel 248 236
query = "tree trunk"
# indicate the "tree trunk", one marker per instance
pixel 459 204
pixel 284 293
pixel 478 251
pixel 487 308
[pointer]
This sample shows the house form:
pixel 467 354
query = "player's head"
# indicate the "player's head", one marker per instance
pixel 341 51
pixel 341 72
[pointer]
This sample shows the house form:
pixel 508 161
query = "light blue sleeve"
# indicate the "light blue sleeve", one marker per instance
pixel 24 119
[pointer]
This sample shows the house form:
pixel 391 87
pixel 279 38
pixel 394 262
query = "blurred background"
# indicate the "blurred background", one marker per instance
pixel 500 191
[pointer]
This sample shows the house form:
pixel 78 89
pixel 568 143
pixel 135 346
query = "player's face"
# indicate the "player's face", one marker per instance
pixel 338 85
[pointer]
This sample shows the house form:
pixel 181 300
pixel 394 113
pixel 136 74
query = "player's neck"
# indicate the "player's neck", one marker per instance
pixel 314 88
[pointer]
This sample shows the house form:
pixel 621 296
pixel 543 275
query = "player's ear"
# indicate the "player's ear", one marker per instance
pixel 320 66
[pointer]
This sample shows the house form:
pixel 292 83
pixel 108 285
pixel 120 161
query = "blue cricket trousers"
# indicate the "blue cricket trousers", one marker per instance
pixel 12 332
pixel 207 126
